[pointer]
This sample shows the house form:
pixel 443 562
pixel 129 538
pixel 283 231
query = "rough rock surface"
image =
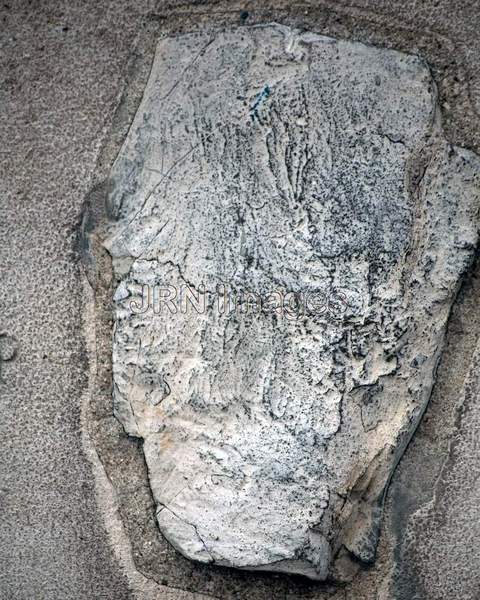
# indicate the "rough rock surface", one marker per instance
pixel 313 174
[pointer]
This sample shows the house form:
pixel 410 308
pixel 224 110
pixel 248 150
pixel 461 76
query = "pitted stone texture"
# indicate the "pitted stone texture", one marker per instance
pixel 273 161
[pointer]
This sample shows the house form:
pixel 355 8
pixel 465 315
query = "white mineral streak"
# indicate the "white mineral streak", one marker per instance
pixel 271 160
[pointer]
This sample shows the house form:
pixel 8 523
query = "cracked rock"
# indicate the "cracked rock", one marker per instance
pixel 291 230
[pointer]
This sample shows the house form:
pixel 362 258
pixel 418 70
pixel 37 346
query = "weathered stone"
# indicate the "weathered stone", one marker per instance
pixel 313 174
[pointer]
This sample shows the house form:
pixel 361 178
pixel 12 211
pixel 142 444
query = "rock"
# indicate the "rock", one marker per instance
pixel 291 230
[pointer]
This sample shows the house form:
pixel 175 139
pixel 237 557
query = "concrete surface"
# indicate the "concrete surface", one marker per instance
pixel 63 71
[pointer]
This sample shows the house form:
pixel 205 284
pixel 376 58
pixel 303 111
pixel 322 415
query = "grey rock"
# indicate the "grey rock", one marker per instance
pixel 291 230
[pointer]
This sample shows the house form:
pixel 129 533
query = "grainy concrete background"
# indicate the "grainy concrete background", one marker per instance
pixel 71 74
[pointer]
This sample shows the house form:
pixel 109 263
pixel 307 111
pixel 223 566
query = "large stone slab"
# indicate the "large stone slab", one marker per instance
pixel 289 208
